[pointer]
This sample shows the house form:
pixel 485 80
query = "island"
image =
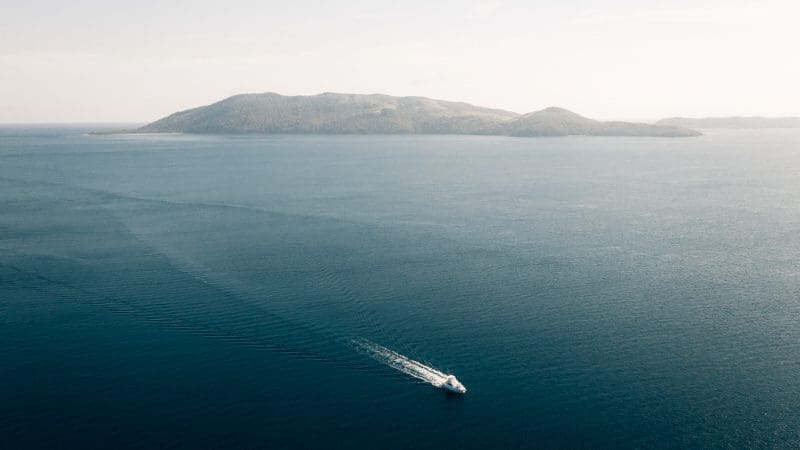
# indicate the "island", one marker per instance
pixel 732 122
pixel 333 113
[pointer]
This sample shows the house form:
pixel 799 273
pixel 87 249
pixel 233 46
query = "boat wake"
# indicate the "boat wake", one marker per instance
pixel 402 363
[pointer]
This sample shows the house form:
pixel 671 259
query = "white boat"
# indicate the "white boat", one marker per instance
pixel 453 385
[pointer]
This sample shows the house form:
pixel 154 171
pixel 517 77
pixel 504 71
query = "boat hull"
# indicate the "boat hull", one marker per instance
pixel 458 389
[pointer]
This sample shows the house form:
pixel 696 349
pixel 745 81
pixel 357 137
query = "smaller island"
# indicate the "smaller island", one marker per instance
pixel 732 122
pixel 333 113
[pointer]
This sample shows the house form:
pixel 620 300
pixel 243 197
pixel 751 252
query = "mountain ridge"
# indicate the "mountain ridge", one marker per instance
pixel 337 113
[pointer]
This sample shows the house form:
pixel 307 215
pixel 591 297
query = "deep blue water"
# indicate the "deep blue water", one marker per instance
pixel 205 291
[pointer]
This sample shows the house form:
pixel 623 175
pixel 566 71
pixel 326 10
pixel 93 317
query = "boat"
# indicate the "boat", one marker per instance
pixel 452 384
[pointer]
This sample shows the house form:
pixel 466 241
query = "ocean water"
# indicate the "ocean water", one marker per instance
pixel 181 291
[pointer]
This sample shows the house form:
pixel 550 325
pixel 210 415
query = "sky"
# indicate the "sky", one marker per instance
pixel 106 61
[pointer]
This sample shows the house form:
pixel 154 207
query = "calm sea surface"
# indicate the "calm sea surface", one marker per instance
pixel 208 292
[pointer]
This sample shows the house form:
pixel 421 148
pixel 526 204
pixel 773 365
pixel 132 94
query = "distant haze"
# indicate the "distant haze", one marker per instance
pixel 96 61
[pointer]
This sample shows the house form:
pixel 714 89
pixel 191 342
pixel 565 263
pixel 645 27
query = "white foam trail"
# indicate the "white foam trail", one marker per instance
pixel 402 363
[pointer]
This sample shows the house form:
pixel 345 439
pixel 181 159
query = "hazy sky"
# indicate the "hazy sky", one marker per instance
pixel 76 61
